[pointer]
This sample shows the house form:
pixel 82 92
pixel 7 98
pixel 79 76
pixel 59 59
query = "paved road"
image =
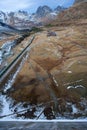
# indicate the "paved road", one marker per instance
pixel 43 126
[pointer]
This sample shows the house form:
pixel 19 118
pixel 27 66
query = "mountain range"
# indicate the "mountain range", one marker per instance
pixel 22 19
pixel 43 15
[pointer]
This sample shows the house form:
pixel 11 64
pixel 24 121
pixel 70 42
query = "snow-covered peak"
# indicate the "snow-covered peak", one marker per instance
pixel 21 15
pixel 2 16
pixel 22 19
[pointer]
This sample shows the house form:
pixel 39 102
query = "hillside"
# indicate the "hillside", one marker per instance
pixel 75 13
pixel 52 83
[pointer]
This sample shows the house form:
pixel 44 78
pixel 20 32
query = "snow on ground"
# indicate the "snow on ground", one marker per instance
pixel 75 110
pixel 8 109
pixel 44 120
pixel 5 105
pixel 76 87
pixel 70 87
pixel 11 81
pixel 5 50
pixel 69 72
pixel 79 86
pixel 55 81
pixel 4 101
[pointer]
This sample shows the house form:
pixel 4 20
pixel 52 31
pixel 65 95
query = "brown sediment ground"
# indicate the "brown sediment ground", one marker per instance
pixel 54 64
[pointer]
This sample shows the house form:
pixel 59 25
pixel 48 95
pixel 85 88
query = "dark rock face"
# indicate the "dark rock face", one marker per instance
pixel 50 33
pixel 49 113
pixel 23 12
pixel 29 114
pixel 59 9
pixel 43 11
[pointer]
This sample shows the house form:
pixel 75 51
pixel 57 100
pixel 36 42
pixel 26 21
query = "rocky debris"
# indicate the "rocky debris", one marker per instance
pixel 29 114
pixel 50 33
pixel 48 112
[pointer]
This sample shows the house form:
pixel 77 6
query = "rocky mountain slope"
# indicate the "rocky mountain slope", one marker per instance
pixel 77 1
pixel 74 13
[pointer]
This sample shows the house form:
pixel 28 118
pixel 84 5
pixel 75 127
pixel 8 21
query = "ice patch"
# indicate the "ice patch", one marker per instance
pixel 39 113
pixel 75 87
pixel 53 13
pixel 69 72
pixel 55 81
pixel 79 86
pixel 70 87
pixel 75 110
pixel 5 105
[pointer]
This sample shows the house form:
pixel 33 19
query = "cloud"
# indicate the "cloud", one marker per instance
pixel 31 5
pixel 9 5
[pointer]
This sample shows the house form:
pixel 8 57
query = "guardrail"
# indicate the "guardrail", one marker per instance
pixel 15 60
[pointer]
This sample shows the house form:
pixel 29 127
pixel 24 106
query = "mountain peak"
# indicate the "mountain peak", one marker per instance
pixel 59 8
pixel 43 10
pixel 22 19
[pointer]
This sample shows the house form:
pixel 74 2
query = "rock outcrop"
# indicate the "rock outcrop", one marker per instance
pixel 77 1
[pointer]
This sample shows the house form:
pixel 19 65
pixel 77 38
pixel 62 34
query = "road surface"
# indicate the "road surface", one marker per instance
pixel 43 125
